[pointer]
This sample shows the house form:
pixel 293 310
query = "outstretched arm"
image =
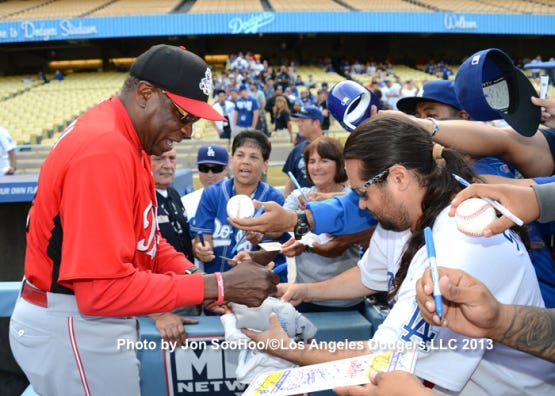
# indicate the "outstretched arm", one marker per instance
pixel 530 155
pixel 345 286
pixel 274 219
pixel 277 343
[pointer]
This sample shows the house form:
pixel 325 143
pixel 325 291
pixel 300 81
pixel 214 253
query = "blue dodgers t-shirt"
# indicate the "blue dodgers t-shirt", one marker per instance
pixel 296 165
pixel 245 108
pixel 493 166
pixel 211 218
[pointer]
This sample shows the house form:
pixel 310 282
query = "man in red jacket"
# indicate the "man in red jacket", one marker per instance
pixel 95 258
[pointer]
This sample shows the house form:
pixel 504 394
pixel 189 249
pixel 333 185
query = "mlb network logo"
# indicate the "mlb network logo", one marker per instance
pixel 199 368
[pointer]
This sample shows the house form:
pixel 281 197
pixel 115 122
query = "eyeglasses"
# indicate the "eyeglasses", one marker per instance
pixel 186 118
pixel 362 192
pixel 203 168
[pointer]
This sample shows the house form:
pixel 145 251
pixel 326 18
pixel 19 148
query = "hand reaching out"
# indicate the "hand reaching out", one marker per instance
pixel 548 110
pixel 469 307
pixel 293 248
pixel 521 201
pixel 274 219
pixel 170 326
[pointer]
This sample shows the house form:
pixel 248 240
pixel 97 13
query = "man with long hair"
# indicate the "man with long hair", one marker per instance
pixel 406 182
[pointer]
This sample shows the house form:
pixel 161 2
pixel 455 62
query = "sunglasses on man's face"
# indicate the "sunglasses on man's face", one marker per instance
pixel 362 192
pixel 185 117
pixel 203 168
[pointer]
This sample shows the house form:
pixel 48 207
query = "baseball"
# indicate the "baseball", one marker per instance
pixel 240 207
pixel 473 215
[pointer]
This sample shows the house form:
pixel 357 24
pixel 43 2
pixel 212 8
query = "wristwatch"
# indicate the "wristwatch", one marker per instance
pixel 302 226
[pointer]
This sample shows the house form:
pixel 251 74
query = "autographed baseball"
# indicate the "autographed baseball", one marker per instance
pixel 473 215
pixel 240 207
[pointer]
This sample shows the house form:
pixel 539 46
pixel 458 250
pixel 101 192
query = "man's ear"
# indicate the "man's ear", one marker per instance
pixel 463 114
pixel 265 167
pixel 399 176
pixel 143 93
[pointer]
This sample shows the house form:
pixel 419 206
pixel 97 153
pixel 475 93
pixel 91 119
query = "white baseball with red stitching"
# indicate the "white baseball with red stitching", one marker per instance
pixel 240 207
pixel 473 215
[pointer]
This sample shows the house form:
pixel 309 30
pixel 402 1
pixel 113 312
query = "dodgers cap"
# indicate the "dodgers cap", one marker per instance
pixel 489 87
pixel 184 76
pixel 440 91
pixel 311 112
pixel 351 103
pixel 212 154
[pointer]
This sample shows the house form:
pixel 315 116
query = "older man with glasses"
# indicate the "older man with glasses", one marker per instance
pixel 174 227
pixel 95 258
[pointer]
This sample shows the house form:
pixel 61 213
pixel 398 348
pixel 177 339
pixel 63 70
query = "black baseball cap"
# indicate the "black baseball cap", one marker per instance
pixel 184 76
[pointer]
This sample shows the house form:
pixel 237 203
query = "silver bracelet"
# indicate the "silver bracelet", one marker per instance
pixel 436 126
pixel 191 270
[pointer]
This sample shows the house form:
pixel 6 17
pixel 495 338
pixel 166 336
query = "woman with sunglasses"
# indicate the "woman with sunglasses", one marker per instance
pixel 326 169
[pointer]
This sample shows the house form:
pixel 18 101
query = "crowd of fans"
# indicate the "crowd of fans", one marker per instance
pixel 265 82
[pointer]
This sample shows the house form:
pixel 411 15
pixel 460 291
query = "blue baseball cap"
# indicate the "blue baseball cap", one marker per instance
pixel 490 87
pixel 350 103
pixel 212 154
pixel 440 91
pixel 311 112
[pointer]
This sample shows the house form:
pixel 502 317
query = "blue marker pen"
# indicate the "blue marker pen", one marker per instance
pixel 433 270
pixel 258 212
pixel 461 180
pixel 201 238
pixel 296 183
pixel 279 268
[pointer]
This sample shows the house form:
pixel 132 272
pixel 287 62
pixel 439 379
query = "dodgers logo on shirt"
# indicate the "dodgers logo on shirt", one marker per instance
pixel 221 233
pixel 417 330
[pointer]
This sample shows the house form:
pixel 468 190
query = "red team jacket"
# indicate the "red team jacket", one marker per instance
pixel 92 227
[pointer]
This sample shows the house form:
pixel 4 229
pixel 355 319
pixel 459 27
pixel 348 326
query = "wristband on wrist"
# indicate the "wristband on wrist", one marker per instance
pixel 220 282
pixel 436 126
